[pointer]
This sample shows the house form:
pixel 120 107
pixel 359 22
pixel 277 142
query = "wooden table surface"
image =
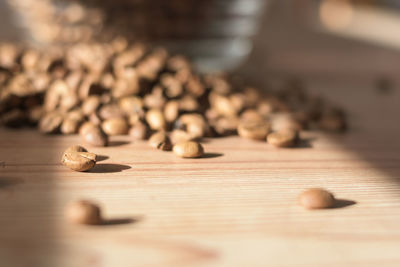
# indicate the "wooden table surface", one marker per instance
pixel 236 207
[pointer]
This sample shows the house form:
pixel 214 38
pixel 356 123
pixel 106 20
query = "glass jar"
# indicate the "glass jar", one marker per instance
pixel 215 34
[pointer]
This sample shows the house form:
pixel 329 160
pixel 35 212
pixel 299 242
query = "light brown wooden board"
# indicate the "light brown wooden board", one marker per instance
pixel 235 209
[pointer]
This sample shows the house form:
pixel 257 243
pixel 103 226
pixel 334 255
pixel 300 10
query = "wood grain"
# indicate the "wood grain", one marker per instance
pixel 236 207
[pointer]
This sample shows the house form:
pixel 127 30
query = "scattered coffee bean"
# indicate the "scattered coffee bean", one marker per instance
pixel 189 149
pixel 85 127
pixel 78 161
pixel 155 119
pixel 256 130
pixel 110 111
pixel 95 136
pixel 50 123
pixel 139 131
pixel 179 136
pixel 316 198
pixel 284 122
pixel 115 126
pixel 69 126
pixel 84 212
pixel 160 140
pixel 283 138
pixel 171 111
pixel 251 115
pixel 91 104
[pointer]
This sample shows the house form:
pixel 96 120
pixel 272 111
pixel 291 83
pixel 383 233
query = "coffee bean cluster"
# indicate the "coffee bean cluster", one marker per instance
pixel 117 88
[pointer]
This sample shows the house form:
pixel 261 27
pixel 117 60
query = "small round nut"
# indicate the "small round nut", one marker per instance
pixel 256 130
pixel 283 138
pixel 79 161
pixel 189 149
pixel 316 198
pixel 84 212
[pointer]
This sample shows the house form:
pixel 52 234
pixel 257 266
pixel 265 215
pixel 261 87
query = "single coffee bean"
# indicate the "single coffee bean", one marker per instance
pixel 188 104
pixel 224 126
pixel 91 104
pixel 76 114
pixel 51 122
pixel 173 87
pixel 285 121
pixel 283 138
pixel 134 118
pixel 160 140
pixel 131 104
pixel 222 105
pixel 251 115
pixel 69 126
pixel 194 124
pixel 171 111
pixel 155 100
pixel 29 59
pixel 85 127
pixel 252 96
pixel 95 136
pixel 110 111
pixel 178 136
pixel 189 149
pixel 196 130
pixel 95 118
pixel 237 101
pixel 256 130
pixel 165 145
pixel 79 161
pixel 155 119
pixel 265 108
pixel 316 198
pixel 84 212
pixel 115 126
pixel 139 131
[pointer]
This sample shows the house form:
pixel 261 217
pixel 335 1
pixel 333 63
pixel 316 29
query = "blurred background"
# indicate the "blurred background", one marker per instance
pixel 295 37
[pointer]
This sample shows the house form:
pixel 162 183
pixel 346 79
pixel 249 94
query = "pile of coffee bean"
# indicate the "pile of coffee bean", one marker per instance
pixel 117 88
